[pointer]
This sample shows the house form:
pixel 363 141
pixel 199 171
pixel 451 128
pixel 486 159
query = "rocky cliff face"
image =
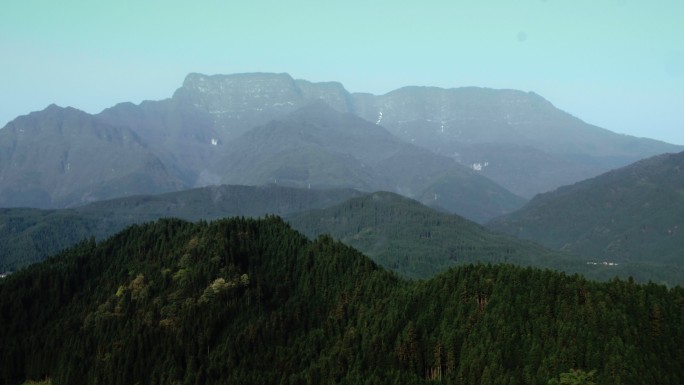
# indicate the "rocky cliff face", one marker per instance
pixel 474 126
pixel 242 101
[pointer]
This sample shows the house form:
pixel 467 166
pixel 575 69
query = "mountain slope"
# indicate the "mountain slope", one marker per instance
pixel 414 240
pixel 499 122
pixel 518 140
pixel 419 242
pixel 29 235
pixel 62 157
pixel 472 125
pixel 630 214
pixel 182 135
pixel 244 301
pixel 320 147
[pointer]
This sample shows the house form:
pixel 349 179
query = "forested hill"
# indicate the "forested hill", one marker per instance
pixel 632 214
pixel 254 302
pixel 29 235
pixel 418 242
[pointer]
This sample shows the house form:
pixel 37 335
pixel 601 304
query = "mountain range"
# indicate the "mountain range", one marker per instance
pixel 517 139
pixel 101 295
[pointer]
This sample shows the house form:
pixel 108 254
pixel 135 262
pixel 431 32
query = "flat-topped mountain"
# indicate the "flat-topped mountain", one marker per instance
pixel 486 129
pixel 241 101
pixel 518 140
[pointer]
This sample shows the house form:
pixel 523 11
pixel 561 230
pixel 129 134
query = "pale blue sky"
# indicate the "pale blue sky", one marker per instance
pixel 618 64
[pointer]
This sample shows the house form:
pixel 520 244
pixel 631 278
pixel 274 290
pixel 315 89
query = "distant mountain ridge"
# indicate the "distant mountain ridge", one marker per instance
pixel 517 139
pixel 485 128
pixel 635 213
pixel 475 126
pixel 62 156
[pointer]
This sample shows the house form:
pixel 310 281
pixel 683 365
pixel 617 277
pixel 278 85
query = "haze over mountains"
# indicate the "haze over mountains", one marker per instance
pixel 457 150
pixel 516 139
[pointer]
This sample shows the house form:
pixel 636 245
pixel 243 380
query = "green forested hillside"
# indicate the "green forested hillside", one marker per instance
pixel 29 235
pixel 417 241
pixel 631 215
pixel 253 302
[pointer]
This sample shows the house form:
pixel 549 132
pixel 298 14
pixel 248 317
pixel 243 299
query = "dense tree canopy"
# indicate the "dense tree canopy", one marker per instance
pixel 251 301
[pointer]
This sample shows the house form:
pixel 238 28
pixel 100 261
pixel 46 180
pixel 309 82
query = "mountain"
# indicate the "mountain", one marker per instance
pixel 190 129
pixel 419 242
pixel 253 302
pixel 240 102
pixel 518 139
pixel 179 133
pixel 630 214
pixel 414 240
pixel 61 157
pixel 317 146
pixel 30 235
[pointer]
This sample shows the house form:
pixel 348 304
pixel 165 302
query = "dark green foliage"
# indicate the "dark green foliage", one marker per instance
pixel 575 377
pixel 251 301
pixel 29 235
pixel 633 216
pixel 419 242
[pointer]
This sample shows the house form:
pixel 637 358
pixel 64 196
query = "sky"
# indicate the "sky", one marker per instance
pixel 617 64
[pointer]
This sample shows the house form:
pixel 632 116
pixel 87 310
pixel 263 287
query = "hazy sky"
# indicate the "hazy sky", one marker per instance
pixel 618 64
